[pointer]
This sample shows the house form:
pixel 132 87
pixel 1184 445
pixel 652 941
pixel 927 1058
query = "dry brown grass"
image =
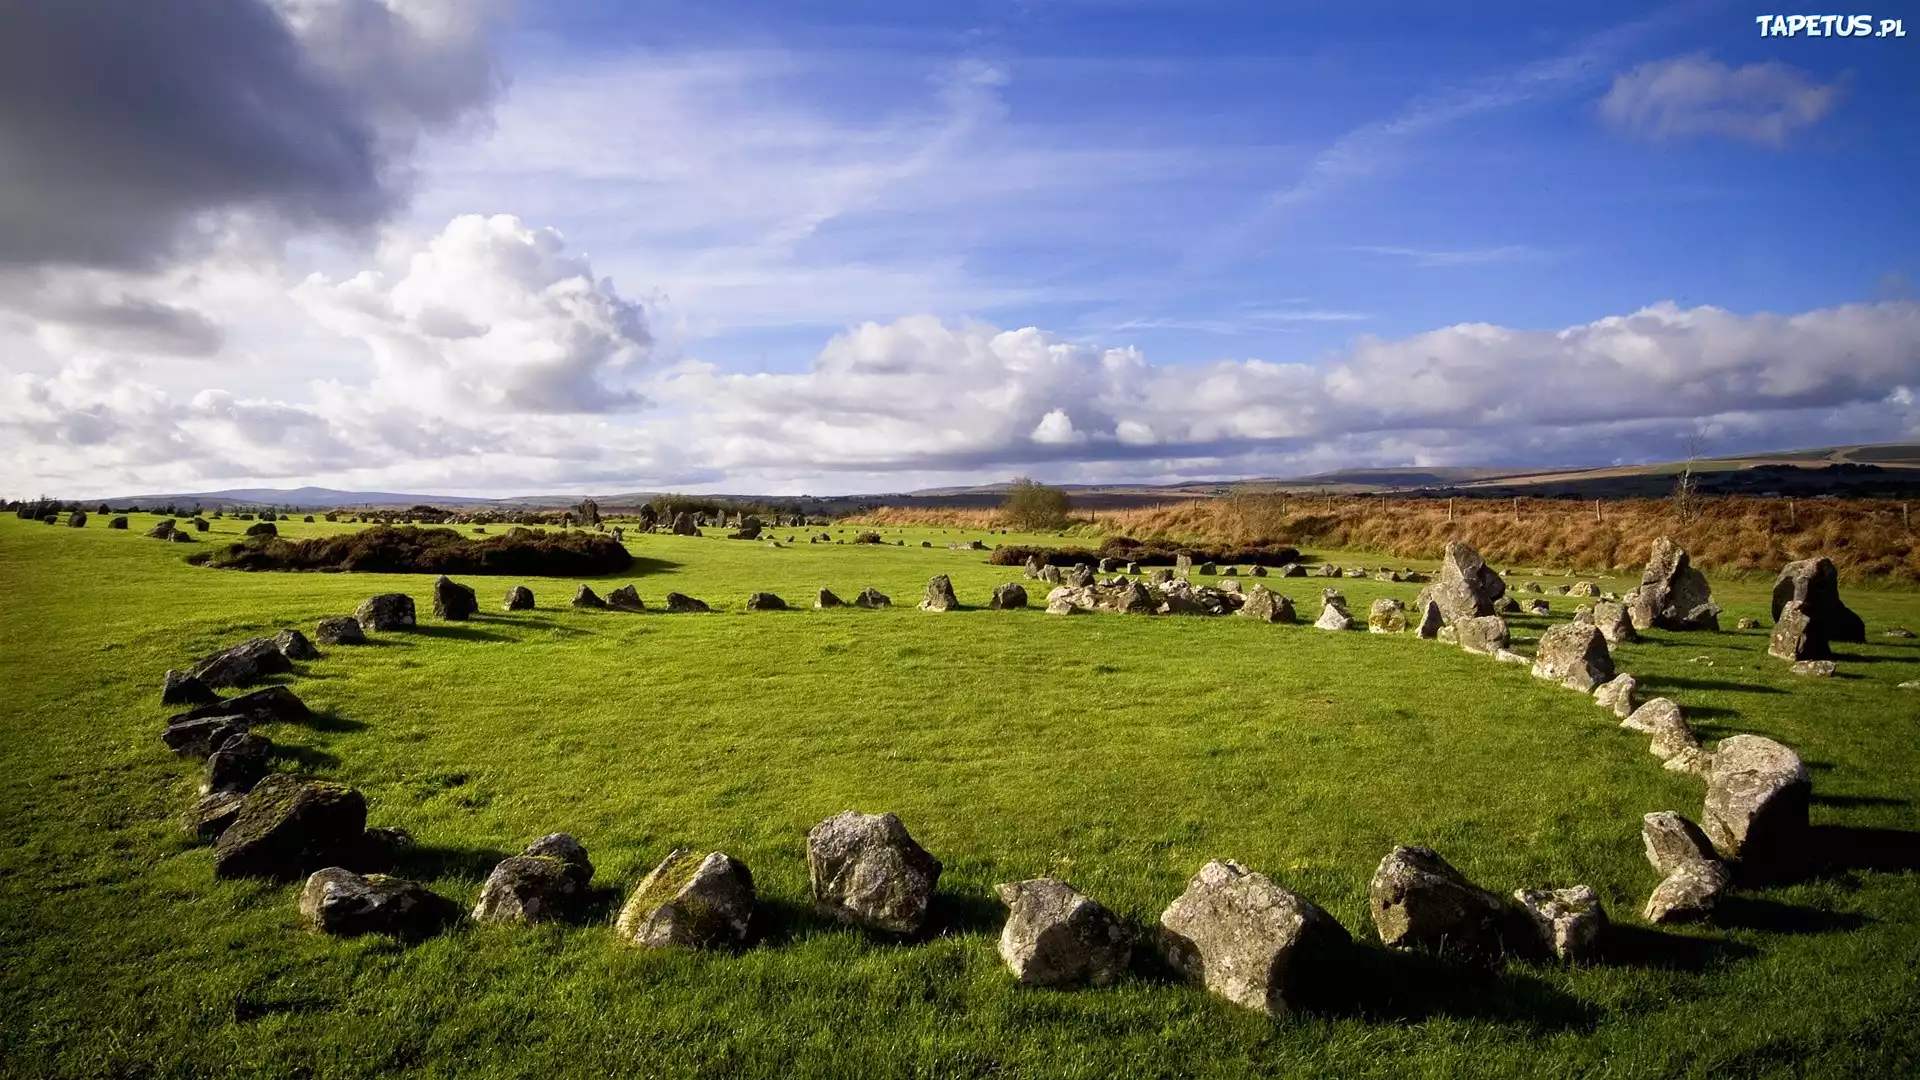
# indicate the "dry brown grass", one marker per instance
pixel 1865 538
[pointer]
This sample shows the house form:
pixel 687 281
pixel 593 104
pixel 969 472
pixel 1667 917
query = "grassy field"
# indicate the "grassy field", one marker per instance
pixel 1118 752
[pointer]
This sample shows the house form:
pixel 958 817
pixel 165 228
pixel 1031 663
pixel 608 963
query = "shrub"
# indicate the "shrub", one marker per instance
pixel 1035 507
pixel 388 550
pixel 868 538
pixel 1149 553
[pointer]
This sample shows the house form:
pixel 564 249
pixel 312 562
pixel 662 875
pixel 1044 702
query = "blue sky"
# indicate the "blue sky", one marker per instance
pixel 870 246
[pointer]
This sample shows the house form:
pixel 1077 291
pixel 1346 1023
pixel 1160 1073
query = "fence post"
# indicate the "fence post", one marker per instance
pixel 1449 510
pixel 1793 518
pixel 1516 506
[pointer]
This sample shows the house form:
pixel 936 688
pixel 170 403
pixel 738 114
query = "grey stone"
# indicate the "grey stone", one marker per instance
pixel 1613 622
pixel 518 598
pixel 765 601
pixel 1419 901
pixel 690 902
pixel 1266 606
pixel 528 889
pixel 294 645
pixel 1333 617
pixel 1655 716
pixel 1575 656
pixel 865 869
pixel 289 826
pixel 1571 922
pixel 453 601
pixel 1815 584
pixel 826 599
pixel 585 597
pixel 872 598
pixel 1671 841
pixel 1430 619
pixel 1617 694
pixel 1757 796
pixel 180 688
pixel 388 611
pixel 1466 588
pixel 1485 634
pixel 252 661
pixel 1056 936
pixel 340 630
pixel 1672 594
pixel 682 604
pixel 1387 616
pixel 210 815
pixel 626 598
pixel 240 762
pixel 340 902
pixel 939 594
pixel 1688 894
pixel 1251 941
pixel 1793 639
pixel 1814 667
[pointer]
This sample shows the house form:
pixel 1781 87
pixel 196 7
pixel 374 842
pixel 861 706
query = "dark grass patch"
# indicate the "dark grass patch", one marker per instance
pixel 412 550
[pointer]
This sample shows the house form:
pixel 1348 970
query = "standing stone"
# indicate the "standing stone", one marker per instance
pixel 289 826
pixel 626 598
pixel 1257 570
pixel 1672 594
pixel 340 902
pixel 1575 656
pixel 1133 568
pixel 1467 587
pixel 548 879
pixel 1613 622
pixel 1055 936
pixel 181 688
pixel 1007 597
pixel 1106 566
pixel 1794 638
pixel 1387 616
pixel 388 611
pixel 1081 576
pixel 1034 564
pixel 1617 694
pixel 1419 901
pixel 1051 575
pixel 245 664
pixel 765 601
pixel 162 529
pixel 1251 941
pixel 340 630
pixel 865 869
pixel 1757 796
pixel 1570 922
pixel 939 595
pixel 1183 565
pixel 117 523
pixel 294 645
pixel 1162 576
pixel 1485 634
pixel 1206 569
pixel 1266 606
pixel 826 599
pixel 452 600
pixel 1430 619
pixel 682 604
pixel 1816 585
pixel 689 903
pixel 871 597
pixel 77 519
pixel 683 525
pixel 518 598
pixel 585 597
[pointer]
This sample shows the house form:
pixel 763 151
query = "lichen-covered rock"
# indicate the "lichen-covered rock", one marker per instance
pixel 269 704
pixel 1484 634
pixel 294 645
pixel 528 889
pixel 825 598
pixel 388 611
pixel 1793 638
pixel 210 815
pixel 1466 588
pixel 1056 936
pixel 1612 621
pixel 1818 668
pixel 289 826
pixel 1387 616
pixel 180 688
pixel 1689 893
pixel 1815 585
pixel 626 598
pixel 1251 941
pixel 1007 597
pixel 1571 922
pixel 1419 901
pixel 1672 594
pixel 585 597
pixel 690 902
pixel 1757 796
pixel 201 736
pixel 340 630
pixel 1266 605
pixel 162 529
pixel 873 598
pixel 765 601
pixel 340 902
pixel 1575 656
pixel 238 764
pixel 1431 619
pixel 1617 694
pixel 1671 841
pixel 251 661
pixel 939 594
pixel 1333 617
pixel 453 601
pixel 682 604
pixel 865 869
pixel 518 598
pixel 1655 716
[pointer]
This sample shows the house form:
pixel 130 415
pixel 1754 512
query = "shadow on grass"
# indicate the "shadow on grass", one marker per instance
pixel 1664 682
pixel 598 907
pixel 1840 849
pixel 778 921
pixel 457 632
pixel 325 720
pixel 1860 800
pixel 1859 658
pixel 1771 916
pixel 1407 987
pixel 427 862
pixel 307 759
pixel 1642 947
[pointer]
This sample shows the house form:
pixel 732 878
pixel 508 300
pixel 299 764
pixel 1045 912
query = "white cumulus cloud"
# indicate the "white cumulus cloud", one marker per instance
pixel 1688 96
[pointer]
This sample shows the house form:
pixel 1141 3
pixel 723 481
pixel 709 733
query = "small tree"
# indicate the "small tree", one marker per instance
pixel 1686 489
pixel 1034 507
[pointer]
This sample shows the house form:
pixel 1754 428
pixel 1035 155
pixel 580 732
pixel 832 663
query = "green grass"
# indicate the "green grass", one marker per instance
pixel 1119 752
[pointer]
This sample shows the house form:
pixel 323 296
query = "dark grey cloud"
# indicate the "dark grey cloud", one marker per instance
pixel 125 124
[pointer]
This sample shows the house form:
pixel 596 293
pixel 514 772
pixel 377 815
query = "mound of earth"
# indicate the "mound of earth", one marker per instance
pixel 412 550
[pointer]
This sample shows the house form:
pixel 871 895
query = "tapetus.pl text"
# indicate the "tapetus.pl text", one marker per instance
pixel 1859 26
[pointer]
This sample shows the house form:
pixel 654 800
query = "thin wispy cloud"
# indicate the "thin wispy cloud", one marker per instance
pixel 1689 96
pixel 1509 253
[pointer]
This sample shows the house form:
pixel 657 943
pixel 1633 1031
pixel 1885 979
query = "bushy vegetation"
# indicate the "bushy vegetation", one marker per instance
pixel 385 549
pixel 1034 506
pixel 1147 553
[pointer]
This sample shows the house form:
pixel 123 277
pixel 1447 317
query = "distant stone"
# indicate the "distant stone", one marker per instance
pixel 1132 598
pixel 1538 607
pixel 626 598
pixel 765 601
pixel 1419 901
pixel 77 519
pixel 939 595
pixel 238 764
pixel 871 597
pixel 518 598
pixel 1815 585
pixel 1617 694
pixel 1672 595
pixel 1747 623
pixel 1506 605
pixel 1430 619
pixel 1251 941
pixel 1206 569
pixel 690 902
pixel 453 601
pixel 1266 606
pixel 1357 573
pixel 181 688
pixel 210 815
pixel 288 826
pixel 340 630
pixel 865 869
pixel 1387 616
pixel 340 902
pixel 1688 894
pixel 117 523
pixel 1757 796
pixel 683 525
pixel 252 661
pixel 585 597
pixel 1323 570
pixel 388 611
pixel 1571 922
pixel 1896 632
pixel 826 599
pixel 1007 597
pixel 1819 668
pixel 1575 656
pixel 1583 588
pixel 1080 577
pixel 1485 634
pixel 1051 574
pixel 162 529
pixel 294 645
pixel 682 604
pixel 263 528
pixel 1056 936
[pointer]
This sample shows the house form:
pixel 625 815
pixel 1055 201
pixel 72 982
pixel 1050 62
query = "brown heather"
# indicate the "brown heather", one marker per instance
pixel 1865 538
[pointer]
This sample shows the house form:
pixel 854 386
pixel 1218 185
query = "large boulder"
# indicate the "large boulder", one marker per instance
pixel 682 604
pixel 117 523
pixel 1387 616
pixel 1815 584
pixel 1056 936
pixel 1486 634
pixel 865 869
pixel 239 764
pixel 1757 796
pixel 690 902
pixel 341 902
pixel 294 645
pixel 252 661
pixel 519 598
pixel 1008 596
pixel 162 529
pixel 1672 594
pixel 1795 637
pixel 269 704
pixel 1467 587
pixel 1419 901
pixel 683 525
pixel 77 519
pixel 388 611
pixel 626 598
pixel 1575 656
pixel 1266 606
pixel 340 630
pixel 871 598
pixel 1612 620
pixel 1132 598
pixel 765 601
pixel 199 737
pixel 939 595
pixel 289 826
pixel 180 688
pixel 1570 922
pixel 452 600
pixel 1333 615
pixel 546 880
pixel 1252 941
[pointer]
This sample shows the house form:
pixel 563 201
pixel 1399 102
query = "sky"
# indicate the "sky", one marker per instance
pixel 760 246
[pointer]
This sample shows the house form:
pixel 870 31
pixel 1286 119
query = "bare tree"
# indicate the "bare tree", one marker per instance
pixel 1686 489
